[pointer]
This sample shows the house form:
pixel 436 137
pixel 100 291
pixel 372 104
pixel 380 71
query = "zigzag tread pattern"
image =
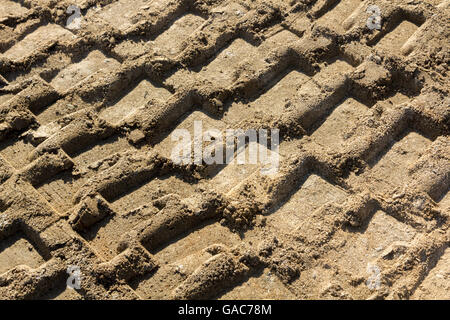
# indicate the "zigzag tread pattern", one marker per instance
pixel 86 176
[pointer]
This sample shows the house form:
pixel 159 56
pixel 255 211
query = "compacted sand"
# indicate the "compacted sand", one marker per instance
pixel 358 208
